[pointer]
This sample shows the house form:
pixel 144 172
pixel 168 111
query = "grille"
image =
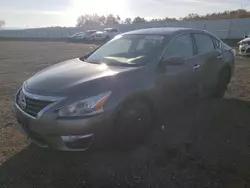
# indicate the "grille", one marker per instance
pixel 33 106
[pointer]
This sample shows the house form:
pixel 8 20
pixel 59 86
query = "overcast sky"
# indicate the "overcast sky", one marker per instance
pixel 42 13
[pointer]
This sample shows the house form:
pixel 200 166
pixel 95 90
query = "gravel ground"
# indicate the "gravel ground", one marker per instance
pixel 204 143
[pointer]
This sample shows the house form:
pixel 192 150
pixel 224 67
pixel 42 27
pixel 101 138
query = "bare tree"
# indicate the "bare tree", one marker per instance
pixel 95 19
pixel 128 21
pixel 240 13
pixel 87 19
pixel 102 20
pixel 139 20
pixel 118 19
pixel 2 23
pixel 112 20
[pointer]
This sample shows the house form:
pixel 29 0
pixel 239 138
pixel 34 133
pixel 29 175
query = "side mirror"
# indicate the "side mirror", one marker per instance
pixel 173 61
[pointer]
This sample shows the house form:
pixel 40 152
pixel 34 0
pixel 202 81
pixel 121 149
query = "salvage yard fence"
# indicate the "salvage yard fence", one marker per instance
pixel 225 29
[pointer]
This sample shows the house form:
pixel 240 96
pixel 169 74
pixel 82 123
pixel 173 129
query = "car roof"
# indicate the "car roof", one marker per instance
pixel 163 31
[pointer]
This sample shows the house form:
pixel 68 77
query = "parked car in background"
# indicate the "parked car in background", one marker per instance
pixel 101 36
pixel 80 37
pixel 90 35
pixel 244 46
pixel 83 36
pixel 112 94
pixel 75 36
pixel 111 32
pixel 106 35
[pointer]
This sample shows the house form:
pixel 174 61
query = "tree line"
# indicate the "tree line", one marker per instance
pixel 2 23
pixel 93 19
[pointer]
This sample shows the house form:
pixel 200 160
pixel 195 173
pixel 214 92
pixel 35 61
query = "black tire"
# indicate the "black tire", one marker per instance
pixel 223 81
pixel 133 125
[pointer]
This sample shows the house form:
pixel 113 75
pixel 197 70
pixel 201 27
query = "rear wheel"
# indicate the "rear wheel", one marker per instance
pixel 132 125
pixel 223 81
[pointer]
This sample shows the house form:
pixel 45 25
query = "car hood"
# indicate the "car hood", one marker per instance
pixel 71 76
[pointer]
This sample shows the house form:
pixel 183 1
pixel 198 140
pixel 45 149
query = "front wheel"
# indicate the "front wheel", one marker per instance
pixel 132 125
pixel 223 81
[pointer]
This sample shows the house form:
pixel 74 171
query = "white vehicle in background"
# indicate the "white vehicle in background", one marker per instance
pixel 111 32
pixel 244 46
pixel 75 36
pixel 106 35
pixel 101 36
pixel 80 37
pixel 90 35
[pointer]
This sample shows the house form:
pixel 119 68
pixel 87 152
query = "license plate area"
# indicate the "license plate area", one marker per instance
pixel 24 128
pixel 22 124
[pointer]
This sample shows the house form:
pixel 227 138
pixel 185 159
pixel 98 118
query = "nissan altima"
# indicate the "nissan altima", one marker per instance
pixel 113 93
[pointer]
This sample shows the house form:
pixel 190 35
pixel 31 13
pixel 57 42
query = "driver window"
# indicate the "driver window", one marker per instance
pixel 181 46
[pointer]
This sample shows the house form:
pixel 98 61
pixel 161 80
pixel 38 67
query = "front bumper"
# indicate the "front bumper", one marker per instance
pixel 65 134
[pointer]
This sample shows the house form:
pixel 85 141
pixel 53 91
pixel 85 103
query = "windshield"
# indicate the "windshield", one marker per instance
pixel 128 49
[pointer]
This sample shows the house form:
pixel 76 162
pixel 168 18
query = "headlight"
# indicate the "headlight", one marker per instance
pixel 90 106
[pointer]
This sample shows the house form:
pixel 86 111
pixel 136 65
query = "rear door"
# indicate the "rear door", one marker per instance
pixel 179 80
pixel 210 56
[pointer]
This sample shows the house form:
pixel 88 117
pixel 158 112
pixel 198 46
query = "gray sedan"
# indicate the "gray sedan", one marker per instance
pixel 112 94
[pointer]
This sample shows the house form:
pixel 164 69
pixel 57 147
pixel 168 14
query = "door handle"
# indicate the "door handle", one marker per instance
pixel 219 56
pixel 197 66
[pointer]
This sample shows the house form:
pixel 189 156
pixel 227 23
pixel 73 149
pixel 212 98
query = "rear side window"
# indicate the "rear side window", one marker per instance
pixel 181 46
pixel 204 43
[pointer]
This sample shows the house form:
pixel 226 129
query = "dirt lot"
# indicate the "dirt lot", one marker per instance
pixel 204 144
